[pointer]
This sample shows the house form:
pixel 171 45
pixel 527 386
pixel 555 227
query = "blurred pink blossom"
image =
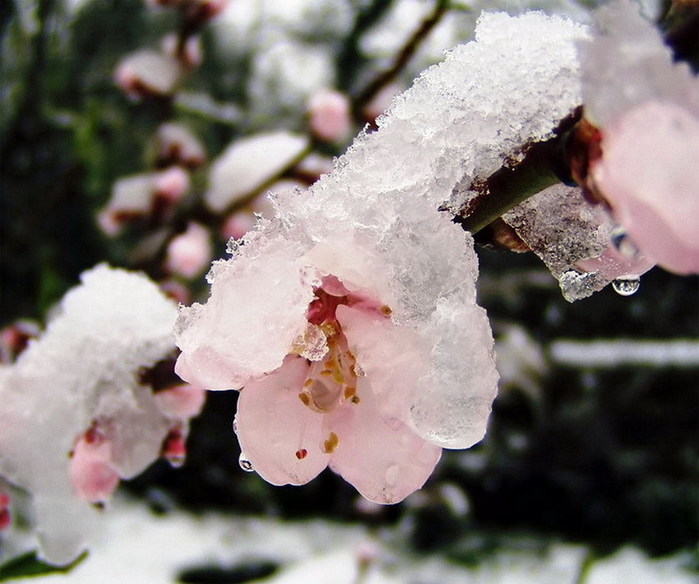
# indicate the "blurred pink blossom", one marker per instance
pixel 140 195
pixel 330 115
pixel 189 253
pixel 147 73
pixel 648 174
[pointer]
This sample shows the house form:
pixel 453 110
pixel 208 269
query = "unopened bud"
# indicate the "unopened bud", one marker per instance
pixel 330 115
pixel 189 253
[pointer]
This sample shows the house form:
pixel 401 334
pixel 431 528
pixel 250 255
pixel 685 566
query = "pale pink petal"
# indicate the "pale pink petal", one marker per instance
pixel 91 472
pixel 278 434
pixel 182 402
pixel 392 358
pixel 648 172
pixel 380 455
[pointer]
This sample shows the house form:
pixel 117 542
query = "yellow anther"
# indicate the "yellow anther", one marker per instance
pixel 305 398
pixel 386 310
pixel 331 444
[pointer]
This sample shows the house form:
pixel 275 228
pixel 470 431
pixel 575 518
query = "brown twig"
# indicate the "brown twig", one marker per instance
pixel 363 97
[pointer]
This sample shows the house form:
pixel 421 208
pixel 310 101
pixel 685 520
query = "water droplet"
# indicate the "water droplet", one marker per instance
pixel 623 243
pixel 626 285
pixel 244 463
pixel 392 473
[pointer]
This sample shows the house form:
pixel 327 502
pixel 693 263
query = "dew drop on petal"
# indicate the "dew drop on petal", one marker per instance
pixel 392 473
pixel 623 243
pixel 244 463
pixel 626 285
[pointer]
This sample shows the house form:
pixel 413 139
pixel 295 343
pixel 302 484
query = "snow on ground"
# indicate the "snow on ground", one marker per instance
pixel 140 548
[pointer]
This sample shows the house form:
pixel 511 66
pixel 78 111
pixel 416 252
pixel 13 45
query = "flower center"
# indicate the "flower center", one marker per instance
pixel 332 380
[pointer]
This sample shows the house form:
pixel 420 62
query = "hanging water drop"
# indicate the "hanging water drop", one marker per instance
pixel 623 243
pixel 244 463
pixel 626 285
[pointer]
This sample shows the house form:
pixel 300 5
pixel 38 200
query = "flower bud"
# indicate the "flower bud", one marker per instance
pixel 190 252
pixel 330 115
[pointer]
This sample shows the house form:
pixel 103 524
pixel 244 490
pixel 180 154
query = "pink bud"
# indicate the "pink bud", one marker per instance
pixel 189 253
pixel 238 224
pixel 92 474
pixel 171 184
pixel 175 447
pixel 5 516
pixel 330 116
pixel 181 402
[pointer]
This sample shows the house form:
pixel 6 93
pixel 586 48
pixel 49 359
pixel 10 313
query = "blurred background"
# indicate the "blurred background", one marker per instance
pixel 590 445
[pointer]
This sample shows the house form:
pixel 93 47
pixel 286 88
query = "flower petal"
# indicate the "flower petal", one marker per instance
pixel 380 455
pixel 278 434
pixel 391 357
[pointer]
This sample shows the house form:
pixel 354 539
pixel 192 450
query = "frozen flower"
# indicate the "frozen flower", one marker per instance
pixel 330 115
pixel 78 389
pixel 92 472
pixel 189 253
pixel 360 288
pixel 648 174
pixel 647 110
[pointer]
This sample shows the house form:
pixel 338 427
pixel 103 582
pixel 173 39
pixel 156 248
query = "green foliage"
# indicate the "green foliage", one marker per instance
pixel 29 565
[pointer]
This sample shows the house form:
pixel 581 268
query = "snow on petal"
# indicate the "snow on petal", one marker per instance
pixel 451 405
pixel 380 455
pixel 255 312
pixel 278 434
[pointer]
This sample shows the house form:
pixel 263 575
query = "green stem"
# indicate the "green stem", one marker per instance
pixel 508 187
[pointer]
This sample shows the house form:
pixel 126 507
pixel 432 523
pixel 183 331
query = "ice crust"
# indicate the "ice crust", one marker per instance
pixel 85 366
pixel 373 223
pixel 640 71
pixel 573 239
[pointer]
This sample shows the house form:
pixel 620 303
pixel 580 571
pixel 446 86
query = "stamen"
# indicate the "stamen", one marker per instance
pixel 301 453
pixel 386 310
pixel 305 398
pixel 331 444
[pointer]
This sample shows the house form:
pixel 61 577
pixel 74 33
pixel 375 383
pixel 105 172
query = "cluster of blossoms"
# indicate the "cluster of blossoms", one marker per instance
pixel 78 413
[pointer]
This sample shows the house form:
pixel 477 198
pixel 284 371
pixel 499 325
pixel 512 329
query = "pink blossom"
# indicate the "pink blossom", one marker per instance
pixel 330 115
pixel 341 405
pixel 92 472
pixel 171 184
pixel 190 252
pixel 146 73
pixel 648 174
